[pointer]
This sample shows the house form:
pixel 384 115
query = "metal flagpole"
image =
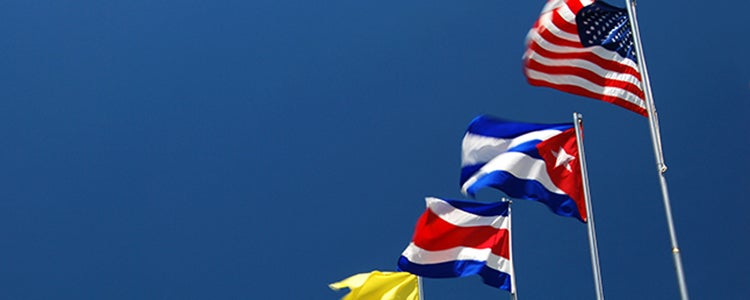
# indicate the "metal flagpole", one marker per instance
pixel 656 139
pixel 419 288
pixel 513 293
pixel 578 121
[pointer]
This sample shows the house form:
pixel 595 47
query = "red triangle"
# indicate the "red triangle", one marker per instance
pixel 565 173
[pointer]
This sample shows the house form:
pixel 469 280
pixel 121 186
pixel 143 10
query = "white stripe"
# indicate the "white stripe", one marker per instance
pixel 599 51
pixel 478 149
pixel 568 17
pixel 551 27
pixel 424 257
pixel 585 64
pixel 588 85
pixel 566 14
pixel 544 17
pixel 462 218
pixel 552 4
pixel 519 165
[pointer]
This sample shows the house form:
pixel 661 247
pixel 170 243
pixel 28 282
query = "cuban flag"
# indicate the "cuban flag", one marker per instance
pixel 526 161
pixel 456 238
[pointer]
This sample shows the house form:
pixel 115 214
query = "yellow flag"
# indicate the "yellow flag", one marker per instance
pixel 378 285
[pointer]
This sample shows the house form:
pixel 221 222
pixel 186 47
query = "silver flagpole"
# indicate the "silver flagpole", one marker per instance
pixel 578 121
pixel 656 139
pixel 513 292
pixel 419 288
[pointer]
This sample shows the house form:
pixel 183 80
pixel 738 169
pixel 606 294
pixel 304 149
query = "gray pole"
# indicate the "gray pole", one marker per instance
pixel 656 139
pixel 513 292
pixel 578 120
pixel 419 288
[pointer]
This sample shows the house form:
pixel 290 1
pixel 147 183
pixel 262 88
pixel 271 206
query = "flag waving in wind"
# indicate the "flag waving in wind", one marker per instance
pixel 524 160
pixel 379 285
pixel 459 238
pixel 585 47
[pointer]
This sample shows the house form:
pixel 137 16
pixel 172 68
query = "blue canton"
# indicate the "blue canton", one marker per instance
pixel 601 24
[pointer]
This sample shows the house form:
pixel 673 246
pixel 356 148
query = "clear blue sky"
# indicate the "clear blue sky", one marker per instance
pixel 263 149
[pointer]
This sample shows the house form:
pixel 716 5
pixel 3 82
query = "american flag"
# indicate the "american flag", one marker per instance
pixel 585 47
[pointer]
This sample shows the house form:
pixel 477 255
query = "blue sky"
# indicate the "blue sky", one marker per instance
pixel 263 149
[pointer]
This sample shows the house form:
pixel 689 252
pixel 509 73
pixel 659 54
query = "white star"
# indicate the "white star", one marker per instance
pixel 563 158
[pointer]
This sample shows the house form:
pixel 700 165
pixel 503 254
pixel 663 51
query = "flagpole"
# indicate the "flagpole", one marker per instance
pixel 513 293
pixel 656 139
pixel 419 288
pixel 578 122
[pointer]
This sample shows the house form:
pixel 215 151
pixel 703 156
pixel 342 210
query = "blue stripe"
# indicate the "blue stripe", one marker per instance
pixel 457 268
pixel 528 148
pixel 468 171
pixel 526 189
pixel 495 278
pixel 479 208
pixel 499 128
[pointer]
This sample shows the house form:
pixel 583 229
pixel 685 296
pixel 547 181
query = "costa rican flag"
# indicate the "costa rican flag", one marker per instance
pixel 586 48
pixel 456 238
pixel 525 161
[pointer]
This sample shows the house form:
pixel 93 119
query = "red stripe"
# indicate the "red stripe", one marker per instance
pixel 573 89
pixel 574 5
pixel 552 38
pixel 536 24
pixel 589 56
pixel 434 234
pixel 585 74
pixel 563 24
